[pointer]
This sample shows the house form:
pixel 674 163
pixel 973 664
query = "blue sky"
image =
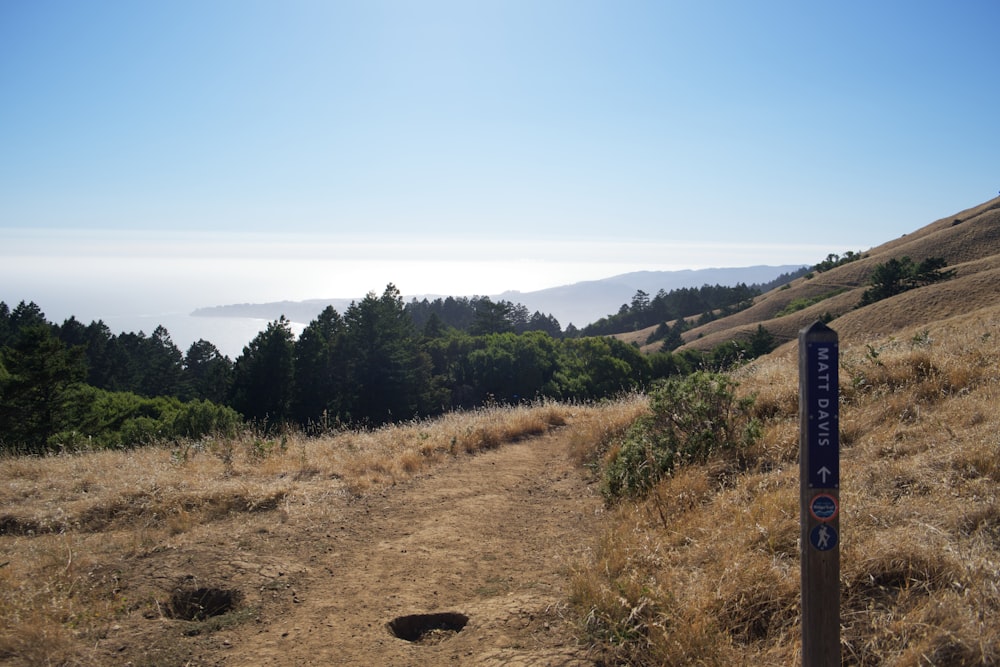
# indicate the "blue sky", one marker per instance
pixel 239 150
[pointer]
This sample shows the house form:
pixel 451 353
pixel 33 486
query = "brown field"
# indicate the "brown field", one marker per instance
pixel 295 551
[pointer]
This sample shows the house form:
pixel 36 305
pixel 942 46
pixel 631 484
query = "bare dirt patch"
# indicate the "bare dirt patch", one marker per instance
pixel 485 538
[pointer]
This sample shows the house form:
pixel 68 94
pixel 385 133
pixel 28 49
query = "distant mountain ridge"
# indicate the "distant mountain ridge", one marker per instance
pixel 579 303
pixel 586 302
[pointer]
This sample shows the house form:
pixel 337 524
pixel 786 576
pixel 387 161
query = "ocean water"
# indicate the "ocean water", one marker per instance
pixel 229 334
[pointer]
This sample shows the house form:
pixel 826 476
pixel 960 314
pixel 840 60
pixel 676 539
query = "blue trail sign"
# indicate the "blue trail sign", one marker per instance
pixel 820 394
pixel 819 495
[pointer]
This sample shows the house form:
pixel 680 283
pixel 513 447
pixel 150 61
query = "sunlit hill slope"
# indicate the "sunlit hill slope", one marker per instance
pixel 705 568
pixel 969 241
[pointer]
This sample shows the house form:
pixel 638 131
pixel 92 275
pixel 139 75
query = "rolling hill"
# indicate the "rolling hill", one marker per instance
pixel 586 302
pixel 969 241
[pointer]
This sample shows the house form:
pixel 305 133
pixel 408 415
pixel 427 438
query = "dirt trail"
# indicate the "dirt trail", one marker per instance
pixel 487 536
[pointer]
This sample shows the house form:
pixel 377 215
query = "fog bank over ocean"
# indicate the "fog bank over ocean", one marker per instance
pixel 229 334
pixel 135 281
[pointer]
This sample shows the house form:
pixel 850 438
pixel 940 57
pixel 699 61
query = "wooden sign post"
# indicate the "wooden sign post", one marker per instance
pixel 819 510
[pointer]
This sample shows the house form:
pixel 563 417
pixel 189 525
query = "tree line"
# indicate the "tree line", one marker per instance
pixel 379 361
pixel 74 386
pixel 482 315
pixel 709 301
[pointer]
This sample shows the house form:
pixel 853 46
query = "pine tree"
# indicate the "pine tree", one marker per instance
pixel 209 373
pixel 263 375
pixel 388 376
pixel 39 371
pixel 162 366
pixel 492 317
pixel 320 368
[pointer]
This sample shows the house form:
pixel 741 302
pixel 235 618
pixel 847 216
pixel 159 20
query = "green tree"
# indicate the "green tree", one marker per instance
pixel 263 375
pixel 73 333
pixel 162 366
pixel 670 335
pixel 453 377
pixel 388 375
pixel 518 317
pixel 104 419
pixel 667 364
pixel 544 323
pixel 434 327
pixel 931 270
pixel 492 317
pixel 640 302
pixel 6 327
pixel 130 368
pixel 26 315
pixel 887 280
pixel 320 368
pixel 209 373
pixel 597 367
pixel 39 370
pixel 511 367
pixel 109 366
pixel 900 275
pixel 761 342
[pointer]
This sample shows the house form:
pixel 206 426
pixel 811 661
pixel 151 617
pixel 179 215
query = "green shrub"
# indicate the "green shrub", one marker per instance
pixel 803 303
pixel 102 419
pixel 197 418
pixel 139 431
pixel 690 418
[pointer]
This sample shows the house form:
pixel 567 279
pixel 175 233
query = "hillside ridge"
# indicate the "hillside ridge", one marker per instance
pixel 969 241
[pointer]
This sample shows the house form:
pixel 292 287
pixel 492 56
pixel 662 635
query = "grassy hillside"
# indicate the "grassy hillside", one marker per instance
pixel 705 569
pixel 969 241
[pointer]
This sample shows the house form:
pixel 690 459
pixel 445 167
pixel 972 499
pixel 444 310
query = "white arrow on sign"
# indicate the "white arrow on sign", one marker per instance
pixel 823 472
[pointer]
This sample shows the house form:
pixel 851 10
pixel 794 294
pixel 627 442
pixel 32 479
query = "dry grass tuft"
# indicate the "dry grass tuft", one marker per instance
pixel 592 438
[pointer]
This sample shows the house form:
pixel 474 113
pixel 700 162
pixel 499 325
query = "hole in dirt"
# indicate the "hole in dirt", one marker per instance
pixel 196 604
pixel 428 628
pixel 12 525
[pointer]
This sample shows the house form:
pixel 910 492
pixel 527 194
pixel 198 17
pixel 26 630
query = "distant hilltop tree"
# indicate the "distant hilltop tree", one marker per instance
pixel 833 260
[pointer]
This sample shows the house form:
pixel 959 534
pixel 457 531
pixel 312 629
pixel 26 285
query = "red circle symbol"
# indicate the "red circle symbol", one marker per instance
pixel 824 507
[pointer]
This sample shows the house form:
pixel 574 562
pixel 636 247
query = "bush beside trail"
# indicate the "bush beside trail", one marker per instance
pixel 690 418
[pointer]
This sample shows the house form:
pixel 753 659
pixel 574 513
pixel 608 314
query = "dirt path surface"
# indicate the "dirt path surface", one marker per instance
pixel 487 538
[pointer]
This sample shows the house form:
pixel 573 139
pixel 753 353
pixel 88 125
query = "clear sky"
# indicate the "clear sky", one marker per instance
pixel 218 151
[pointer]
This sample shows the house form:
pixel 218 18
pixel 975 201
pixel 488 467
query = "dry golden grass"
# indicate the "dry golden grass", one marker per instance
pixel 706 569
pixel 68 522
pixel 972 247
